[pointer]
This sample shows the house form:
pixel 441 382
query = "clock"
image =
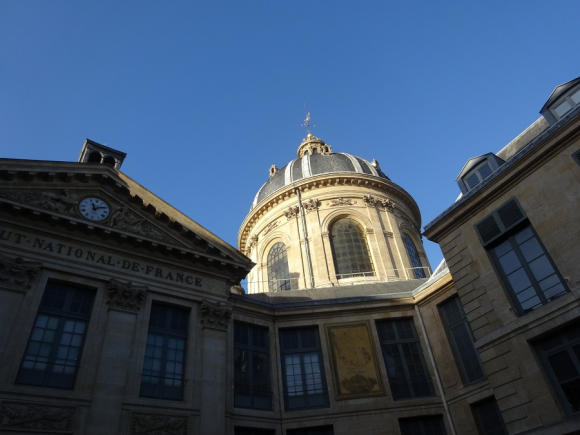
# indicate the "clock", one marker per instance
pixel 94 209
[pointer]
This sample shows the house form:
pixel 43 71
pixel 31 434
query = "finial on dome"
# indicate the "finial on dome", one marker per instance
pixel 307 124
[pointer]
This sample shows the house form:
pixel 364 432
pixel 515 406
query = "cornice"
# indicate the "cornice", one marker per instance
pixel 324 180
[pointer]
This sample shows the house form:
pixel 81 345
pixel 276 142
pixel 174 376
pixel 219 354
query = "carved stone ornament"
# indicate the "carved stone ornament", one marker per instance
pixel 125 296
pixel 341 201
pixel 66 203
pixel 153 424
pixel 215 315
pixel 33 417
pixel 270 227
pixel 292 212
pixel 311 204
pixel 371 201
pixel 18 273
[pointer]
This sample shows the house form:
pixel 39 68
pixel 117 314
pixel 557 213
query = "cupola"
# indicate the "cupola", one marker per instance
pixel 98 154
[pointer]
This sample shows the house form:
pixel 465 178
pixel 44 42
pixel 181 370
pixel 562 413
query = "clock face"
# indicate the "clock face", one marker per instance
pixel 94 209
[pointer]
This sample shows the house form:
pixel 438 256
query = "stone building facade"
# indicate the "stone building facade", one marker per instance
pixel 118 314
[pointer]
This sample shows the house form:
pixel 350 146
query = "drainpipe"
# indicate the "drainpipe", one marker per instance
pixel 305 234
pixel 435 371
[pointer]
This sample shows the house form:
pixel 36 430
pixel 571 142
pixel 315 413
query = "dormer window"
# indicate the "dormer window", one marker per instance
pixel 567 103
pixel 476 170
pixel 563 100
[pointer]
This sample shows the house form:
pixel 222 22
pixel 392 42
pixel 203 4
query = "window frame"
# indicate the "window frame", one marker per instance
pixel 340 271
pixel 160 392
pixel 508 232
pixel 566 98
pixel 251 350
pixel 275 283
pixel 477 171
pixel 457 353
pixel 418 271
pixel 399 342
pixel 300 351
pixel 62 315
pixel 548 369
pixel 480 418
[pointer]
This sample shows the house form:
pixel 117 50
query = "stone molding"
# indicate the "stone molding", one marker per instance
pixel 270 227
pixel 155 424
pixel 371 201
pixel 30 416
pixel 215 315
pixel 18 273
pixel 125 296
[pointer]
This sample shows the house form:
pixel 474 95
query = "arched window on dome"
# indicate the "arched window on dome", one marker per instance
pixel 349 249
pixel 278 273
pixel 413 257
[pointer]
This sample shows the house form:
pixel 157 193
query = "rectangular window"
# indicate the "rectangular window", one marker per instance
pixel 302 368
pixel 251 367
pixel 459 335
pixel 318 430
pixel 488 418
pixel 560 356
pixel 519 256
pixel 428 425
pixel 408 375
pixel 164 361
pixel 55 345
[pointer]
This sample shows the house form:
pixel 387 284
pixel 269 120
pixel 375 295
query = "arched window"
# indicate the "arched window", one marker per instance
pixel 413 257
pixel 278 274
pixel 349 249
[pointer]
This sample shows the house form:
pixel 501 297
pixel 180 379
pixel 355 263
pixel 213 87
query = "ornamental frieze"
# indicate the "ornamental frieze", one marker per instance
pixel 341 201
pixel 311 204
pixel 125 296
pixel 154 424
pixel 270 227
pixel 66 203
pixel 292 212
pixel 215 315
pixel 28 416
pixel 371 201
pixel 18 273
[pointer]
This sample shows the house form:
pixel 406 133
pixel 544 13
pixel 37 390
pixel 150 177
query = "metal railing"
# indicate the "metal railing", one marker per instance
pixel 343 279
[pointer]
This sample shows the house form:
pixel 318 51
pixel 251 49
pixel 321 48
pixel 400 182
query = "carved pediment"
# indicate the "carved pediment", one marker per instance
pixel 65 202
pixel 18 273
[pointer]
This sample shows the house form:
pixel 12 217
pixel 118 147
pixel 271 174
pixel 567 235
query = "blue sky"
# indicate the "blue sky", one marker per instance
pixel 205 96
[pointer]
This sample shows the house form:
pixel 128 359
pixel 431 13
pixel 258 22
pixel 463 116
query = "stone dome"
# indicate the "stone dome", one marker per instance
pixel 315 157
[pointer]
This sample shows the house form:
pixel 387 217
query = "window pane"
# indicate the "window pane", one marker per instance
pixel 55 345
pixel 484 170
pixel 562 108
pixel 472 180
pixel 349 248
pixel 303 375
pixel 164 361
pixel 408 376
pixel 488 418
pixel 278 272
pixel 418 271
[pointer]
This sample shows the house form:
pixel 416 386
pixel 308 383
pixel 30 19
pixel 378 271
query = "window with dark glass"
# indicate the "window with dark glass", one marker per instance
pixel 427 425
pixel 459 335
pixel 302 368
pixel 240 430
pixel 406 369
pixel 318 430
pixel 251 367
pixel 414 259
pixel 488 418
pixel 520 258
pixel 560 356
pixel 163 365
pixel 55 345
pixel 278 273
pixel 477 175
pixel 349 249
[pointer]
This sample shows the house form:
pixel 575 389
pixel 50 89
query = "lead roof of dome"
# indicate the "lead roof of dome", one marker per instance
pixel 310 165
